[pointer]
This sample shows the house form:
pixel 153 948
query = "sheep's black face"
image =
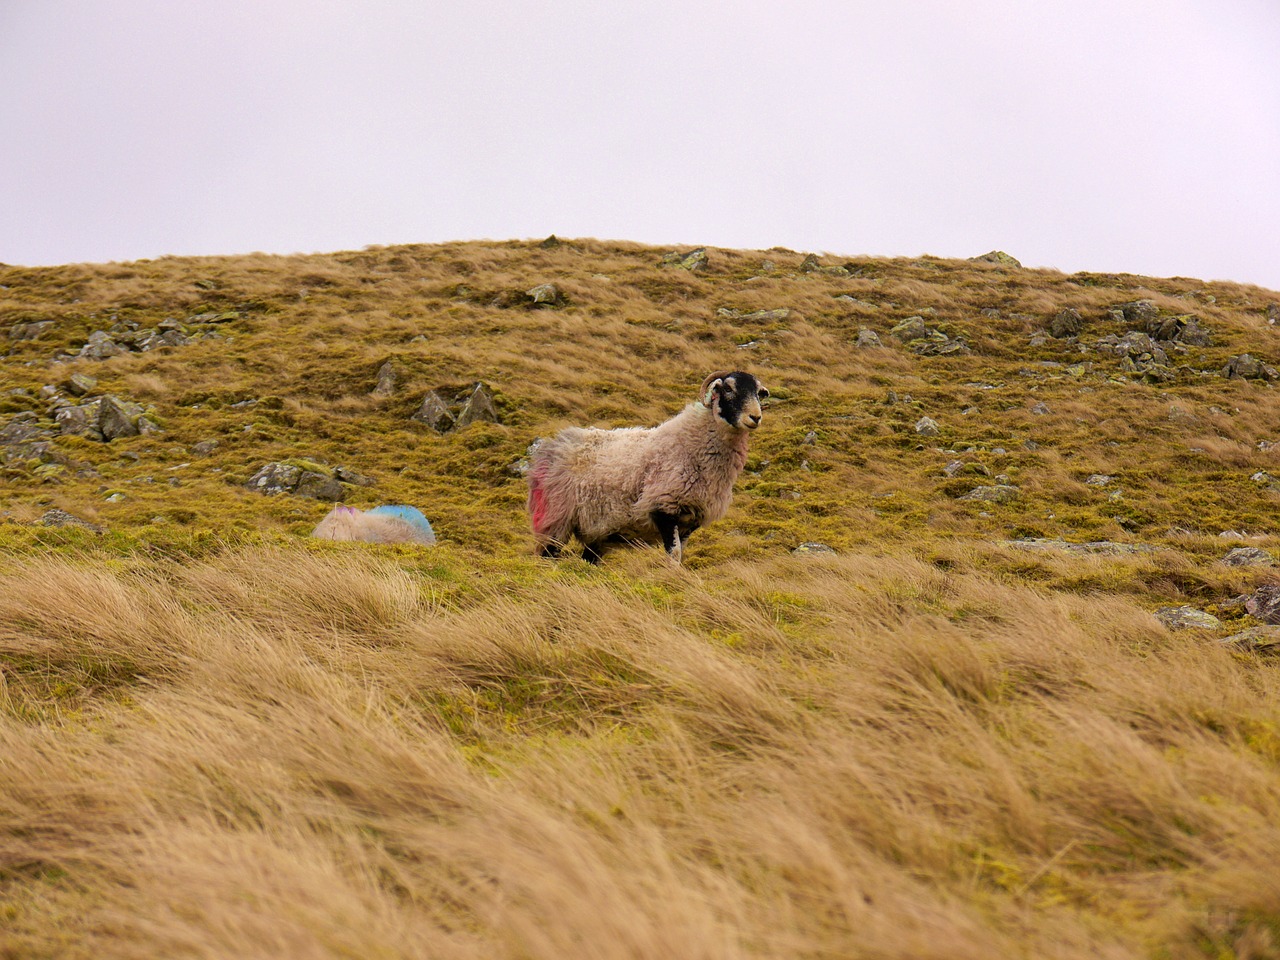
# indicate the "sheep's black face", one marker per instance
pixel 735 399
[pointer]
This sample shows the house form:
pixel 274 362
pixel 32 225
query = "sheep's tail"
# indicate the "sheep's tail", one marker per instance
pixel 550 504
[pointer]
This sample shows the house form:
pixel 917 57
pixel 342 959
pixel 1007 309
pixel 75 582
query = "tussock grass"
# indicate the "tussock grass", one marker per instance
pixel 885 759
pixel 219 738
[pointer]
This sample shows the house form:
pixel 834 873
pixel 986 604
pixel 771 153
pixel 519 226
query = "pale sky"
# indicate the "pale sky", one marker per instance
pixel 1137 136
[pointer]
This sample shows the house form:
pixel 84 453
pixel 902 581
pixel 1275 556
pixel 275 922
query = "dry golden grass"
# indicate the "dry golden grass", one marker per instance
pixel 276 752
pixel 221 739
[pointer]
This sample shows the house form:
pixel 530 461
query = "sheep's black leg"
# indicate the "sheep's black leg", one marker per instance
pixel 591 552
pixel 549 550
pixel 669 527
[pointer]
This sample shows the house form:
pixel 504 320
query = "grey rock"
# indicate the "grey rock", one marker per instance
pixel 478 406
pixel 1256 639
pixel 29 331
pixel 350 476
pixel 767 266
pixel 812 549
pixel 386 384
pixel 1040 409
pixel 1248 557
pixel 101 347
pixel 809 264
pixel 204 448
pixel 1000 493
pixel 1067 323
pixel 997 257
pixel 550 243
pixel 927 427
pixel 215 316
pixel 912 328
pixel 1273 313
pixel 434 412
pixel 319 487
pixel 114 420
pixel 868 338
pixel 60 518
pixel 695 261
pixel 1264 603
pixel 545 295
pixel 81 421
pixel 1246 367
pixel 1187 618
pixel 766 316
pixel 275 478
pixel 1109 548
pixel 1138 313
pixel 1183 329
pixel 79 384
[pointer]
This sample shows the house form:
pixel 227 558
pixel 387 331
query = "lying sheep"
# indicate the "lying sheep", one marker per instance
pixel 390 524
pixel 645 483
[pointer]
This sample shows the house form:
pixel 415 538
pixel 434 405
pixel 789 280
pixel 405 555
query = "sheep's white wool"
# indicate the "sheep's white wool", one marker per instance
pixel 387 524
pixel 650 484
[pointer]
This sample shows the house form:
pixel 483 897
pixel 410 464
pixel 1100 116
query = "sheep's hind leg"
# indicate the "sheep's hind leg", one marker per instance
pixel 592 552
pixel 669 527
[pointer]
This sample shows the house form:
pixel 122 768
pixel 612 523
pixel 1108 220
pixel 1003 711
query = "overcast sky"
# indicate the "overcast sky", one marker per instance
pixel 1108 135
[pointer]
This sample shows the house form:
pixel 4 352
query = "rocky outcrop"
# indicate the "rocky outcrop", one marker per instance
pixel 695 261
pixel 300 478
pixel 474 404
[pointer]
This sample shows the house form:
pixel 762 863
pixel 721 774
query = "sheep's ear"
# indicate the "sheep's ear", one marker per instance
pixel 709 388
pixel 762 392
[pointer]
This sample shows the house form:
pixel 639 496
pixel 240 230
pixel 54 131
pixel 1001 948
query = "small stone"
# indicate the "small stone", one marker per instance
pixel 29 331
pixel 868 338
pixel 386 384
pixel 1040 409
pixel 694 261
pixel 434 412
pixel 1067 323
pixel 812 549
pixel 1099 479
pixel 927 427
pixel 1186 618
pixel 550 243
pixel 318 486
pixel 60 518
pixel 545 294
pixel 1000 493
pixel 809 264
pixel 478 406
pixel 997 257
pixel 79 384
pixel 204 448
pixel 912 328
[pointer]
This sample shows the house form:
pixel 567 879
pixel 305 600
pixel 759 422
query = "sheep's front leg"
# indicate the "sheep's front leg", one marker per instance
pixel 669 527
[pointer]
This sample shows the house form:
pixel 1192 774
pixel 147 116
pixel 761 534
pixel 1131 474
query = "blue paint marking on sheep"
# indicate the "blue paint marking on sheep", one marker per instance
pixel 410 515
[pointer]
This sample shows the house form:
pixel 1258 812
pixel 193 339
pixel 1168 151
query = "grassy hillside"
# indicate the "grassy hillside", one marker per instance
pixel 943 733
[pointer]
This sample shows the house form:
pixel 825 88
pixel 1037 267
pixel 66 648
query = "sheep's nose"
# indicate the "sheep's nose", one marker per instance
pixel 753 421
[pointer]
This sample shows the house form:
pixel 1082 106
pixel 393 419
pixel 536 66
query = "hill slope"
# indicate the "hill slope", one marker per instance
pixel 952 735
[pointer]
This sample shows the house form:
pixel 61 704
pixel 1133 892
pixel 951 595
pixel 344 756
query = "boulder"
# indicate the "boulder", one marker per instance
pixel 79 384
pixel 868 338
pixel 101 347
pixel 1138 313
pixel 60 518
pixel 318 486
pixel 275 478
pixel 912 328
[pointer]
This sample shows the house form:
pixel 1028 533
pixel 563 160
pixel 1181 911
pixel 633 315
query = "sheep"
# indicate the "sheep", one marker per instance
pixel 644 484
pixel 389 524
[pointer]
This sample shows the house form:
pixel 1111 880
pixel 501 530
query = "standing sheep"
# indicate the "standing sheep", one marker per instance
pixel 645 483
